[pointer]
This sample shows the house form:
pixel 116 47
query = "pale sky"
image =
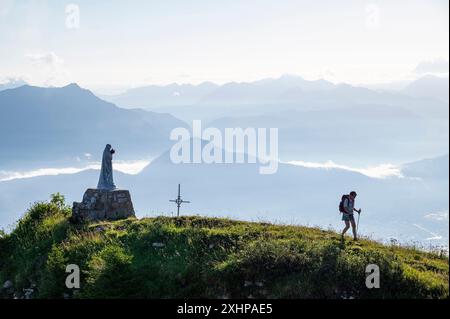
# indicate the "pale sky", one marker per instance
pixel 130 43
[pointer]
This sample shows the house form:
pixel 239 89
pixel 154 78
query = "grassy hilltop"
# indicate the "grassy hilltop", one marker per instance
pixel 191 257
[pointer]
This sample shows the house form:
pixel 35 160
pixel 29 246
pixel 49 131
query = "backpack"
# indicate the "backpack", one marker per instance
pixel 341 204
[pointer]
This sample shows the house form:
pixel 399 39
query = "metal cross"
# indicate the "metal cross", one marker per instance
pixel 179 201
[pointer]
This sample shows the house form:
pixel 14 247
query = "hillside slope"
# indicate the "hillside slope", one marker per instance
pixel 191 257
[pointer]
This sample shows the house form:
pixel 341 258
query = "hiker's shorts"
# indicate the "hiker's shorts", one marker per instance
pixel 348 217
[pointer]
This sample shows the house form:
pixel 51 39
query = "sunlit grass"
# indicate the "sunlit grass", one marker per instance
pixel 193 256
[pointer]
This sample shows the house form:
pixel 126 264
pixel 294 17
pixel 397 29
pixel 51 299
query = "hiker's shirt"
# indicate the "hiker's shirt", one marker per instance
pixel 348 206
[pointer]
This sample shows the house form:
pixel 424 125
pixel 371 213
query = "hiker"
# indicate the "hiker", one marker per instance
pixel 347 207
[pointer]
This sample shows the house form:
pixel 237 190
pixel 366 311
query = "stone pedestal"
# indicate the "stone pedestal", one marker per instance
pixel 100 204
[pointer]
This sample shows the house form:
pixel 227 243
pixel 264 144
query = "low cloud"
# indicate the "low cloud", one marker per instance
pixel 49 69
pixel 380 171
pixel 439 216
pixel 11 82
pixel 438 66
pixel 126 167
pixel 46 59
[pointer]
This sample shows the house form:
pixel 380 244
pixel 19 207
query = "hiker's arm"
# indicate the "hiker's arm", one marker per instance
pixel 357 210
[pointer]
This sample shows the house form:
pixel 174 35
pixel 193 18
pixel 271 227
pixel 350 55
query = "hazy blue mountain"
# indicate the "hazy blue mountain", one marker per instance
pixel 290 81
pixel 289 93
pixel 155 96
pixel 392 207
pixel 432 168
pixel 176 95
pixel 393 86
pixel 49 124
pixel 429 86
pixel 287 89
pixel 357 134
pixel 317 118
pixel 332 98
pixel 262 91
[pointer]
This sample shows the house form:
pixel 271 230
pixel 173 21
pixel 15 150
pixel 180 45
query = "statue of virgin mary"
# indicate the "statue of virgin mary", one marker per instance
pixel 106 181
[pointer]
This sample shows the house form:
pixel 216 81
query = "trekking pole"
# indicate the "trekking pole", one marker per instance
pixel 357 224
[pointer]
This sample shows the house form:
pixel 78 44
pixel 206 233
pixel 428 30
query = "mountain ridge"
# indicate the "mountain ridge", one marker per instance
pixel 267 88
pixel 72 121
pixel 201 257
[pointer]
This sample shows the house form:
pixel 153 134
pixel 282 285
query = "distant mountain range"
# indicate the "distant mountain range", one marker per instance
pixel 208 94
pixel 429 86
pixel 287 89
pixel 429 169
pixel 317 121
pixel 46 125
pixel 162 96
pixel 351 133
pixel 318 118
pixel 356 125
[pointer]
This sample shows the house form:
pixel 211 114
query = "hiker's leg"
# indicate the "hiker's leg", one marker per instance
pixel 347 226
pixel 353 228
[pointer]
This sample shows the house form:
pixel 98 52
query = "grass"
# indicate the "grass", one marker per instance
pixel 199 257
